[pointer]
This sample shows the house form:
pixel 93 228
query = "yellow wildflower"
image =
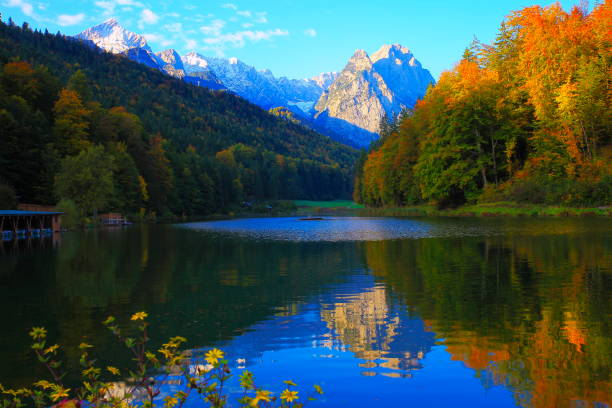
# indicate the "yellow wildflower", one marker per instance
pixel 170 401
pixel 213 356
pixel 51 349
pixel 91 371
pixel 263 395
pixel 38 332
pixel 139 316
pixel 59 393
pixel 113 370
pixel 289 396
pixel 44 384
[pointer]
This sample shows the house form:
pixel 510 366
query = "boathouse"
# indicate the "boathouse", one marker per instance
pixel 15 223
pixel 113 219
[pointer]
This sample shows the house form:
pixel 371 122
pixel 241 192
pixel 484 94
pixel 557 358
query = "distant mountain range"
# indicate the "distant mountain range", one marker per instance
pixel 348 106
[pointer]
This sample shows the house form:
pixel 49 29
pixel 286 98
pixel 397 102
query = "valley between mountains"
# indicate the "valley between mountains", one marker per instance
pixel 347 106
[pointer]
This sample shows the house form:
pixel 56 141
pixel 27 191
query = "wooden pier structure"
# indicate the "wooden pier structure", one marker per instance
pixel 16 224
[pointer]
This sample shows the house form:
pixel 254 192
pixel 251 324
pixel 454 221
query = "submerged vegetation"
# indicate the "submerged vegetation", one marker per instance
pixel 108 386
pixel 526 119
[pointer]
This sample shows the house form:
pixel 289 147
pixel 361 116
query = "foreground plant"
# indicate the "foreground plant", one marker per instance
pixel 141 386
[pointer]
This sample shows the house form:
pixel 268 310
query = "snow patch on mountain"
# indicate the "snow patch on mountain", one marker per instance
pixel 111 37
pixel 346 105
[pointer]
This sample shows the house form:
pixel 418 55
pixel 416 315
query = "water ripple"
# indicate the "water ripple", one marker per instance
pixel 328 229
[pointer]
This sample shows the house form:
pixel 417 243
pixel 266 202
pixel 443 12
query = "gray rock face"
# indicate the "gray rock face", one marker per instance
pixel 142 56
pixel 370 87
pixel 170 62
pixel 199 73
pixel 348 106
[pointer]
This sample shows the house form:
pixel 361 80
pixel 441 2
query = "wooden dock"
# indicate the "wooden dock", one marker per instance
pixel 16 224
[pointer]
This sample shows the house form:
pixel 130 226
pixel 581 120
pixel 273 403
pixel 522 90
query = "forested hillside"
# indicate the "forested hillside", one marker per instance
pixel 525 119
pixel 72 116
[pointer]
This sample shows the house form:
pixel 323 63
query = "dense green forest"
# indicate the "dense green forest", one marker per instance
pixel 526 119
pixel 110 134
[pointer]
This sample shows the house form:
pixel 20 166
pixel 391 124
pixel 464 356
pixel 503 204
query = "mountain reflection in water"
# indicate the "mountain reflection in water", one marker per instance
pixel 504 312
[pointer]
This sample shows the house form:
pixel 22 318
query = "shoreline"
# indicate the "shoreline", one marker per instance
pixel 498 209
pixel 491 210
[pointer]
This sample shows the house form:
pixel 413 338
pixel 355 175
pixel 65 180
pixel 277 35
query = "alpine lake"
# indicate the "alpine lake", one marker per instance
pixel 381 312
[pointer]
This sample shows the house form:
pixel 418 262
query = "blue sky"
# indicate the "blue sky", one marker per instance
pixel 293 38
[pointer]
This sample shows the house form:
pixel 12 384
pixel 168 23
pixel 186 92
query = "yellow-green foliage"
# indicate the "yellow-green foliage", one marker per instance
pixel 104 385
pixel 527 116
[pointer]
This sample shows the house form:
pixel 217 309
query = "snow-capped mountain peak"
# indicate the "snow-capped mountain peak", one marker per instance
pixel 111 21
pixel 196 60
pixel 112 37
pixel 346 104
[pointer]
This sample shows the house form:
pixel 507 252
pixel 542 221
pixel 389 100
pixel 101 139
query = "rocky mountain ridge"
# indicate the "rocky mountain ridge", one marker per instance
pixel 347 105
pixel 368 88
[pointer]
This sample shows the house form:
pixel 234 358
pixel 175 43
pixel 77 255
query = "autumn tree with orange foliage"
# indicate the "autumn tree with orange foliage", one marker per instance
pixel 526 118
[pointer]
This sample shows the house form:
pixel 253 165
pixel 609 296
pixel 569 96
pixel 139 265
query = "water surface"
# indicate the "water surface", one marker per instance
pixel 380 311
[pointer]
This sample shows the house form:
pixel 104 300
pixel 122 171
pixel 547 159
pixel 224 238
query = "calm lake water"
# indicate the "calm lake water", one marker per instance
pixel 382 312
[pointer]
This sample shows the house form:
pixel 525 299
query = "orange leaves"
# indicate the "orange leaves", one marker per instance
pixel 18 69
pixel 69 103
pixel 551 44
pixel 464 81
pixel 535 104
pixel 71 123
pixel 559 61
pixel 471 76
pixel 601 25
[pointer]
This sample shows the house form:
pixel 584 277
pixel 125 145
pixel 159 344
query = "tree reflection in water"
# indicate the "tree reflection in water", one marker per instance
pixel 524 304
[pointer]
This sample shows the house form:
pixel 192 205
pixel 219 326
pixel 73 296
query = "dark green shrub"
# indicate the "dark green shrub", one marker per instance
pixel 8 200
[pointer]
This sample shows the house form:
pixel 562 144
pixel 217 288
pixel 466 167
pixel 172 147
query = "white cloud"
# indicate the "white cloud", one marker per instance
pixel 26 7
pixel 247 25
pixel 129 3
pixel 174 27
pixel 153 37
pixel 239 38
pixel 158 38
pixel 311 32
pixel 261 17
pixel 191 44
pixel 109 5
pixel 214 28
pixel 68 20
pixel 148 16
